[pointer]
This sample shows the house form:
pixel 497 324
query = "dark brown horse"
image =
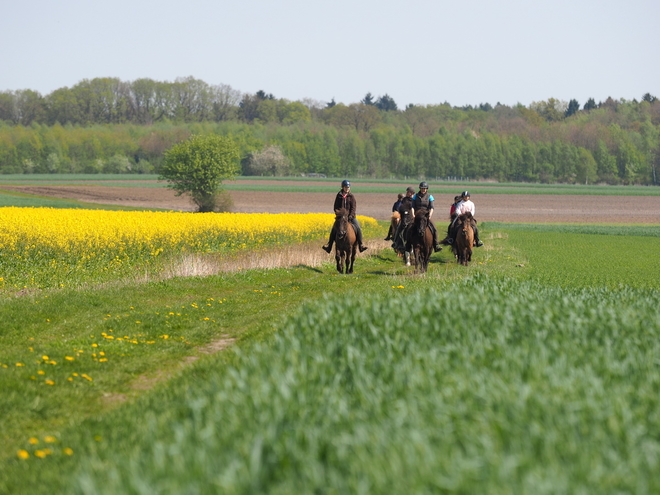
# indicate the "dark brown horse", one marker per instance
pixel 345 242
pixel 420 238
pixel 401 236
pixel 464 240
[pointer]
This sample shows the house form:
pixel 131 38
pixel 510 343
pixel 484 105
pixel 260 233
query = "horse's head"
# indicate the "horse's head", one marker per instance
pixel 406 216
pixel 421 220
pixel 341 220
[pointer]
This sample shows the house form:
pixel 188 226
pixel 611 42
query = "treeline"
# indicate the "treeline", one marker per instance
pixel 105 125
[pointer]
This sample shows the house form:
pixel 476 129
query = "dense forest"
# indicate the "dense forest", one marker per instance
pixel 105 125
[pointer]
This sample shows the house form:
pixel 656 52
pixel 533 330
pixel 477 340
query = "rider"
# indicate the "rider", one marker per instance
pixel 345 199
pixel 405 208
pixel 466 206
pixel 395 208
pixel 452 216
pixel 452 208
pixel 425 200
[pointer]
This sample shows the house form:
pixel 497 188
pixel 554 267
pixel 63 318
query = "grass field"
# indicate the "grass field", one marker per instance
pixel 534 371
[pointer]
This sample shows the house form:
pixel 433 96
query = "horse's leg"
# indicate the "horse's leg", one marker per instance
pixel 338 260
pixel 349 263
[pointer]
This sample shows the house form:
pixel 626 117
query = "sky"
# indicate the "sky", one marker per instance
pixel 423 52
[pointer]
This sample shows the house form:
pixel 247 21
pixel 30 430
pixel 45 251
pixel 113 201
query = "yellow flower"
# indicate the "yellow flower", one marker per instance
pixel 50 439
pixel 40 454
pixel 45 358
pixel 50 382
pixel 69 358
pixel 67 451
pixel 33 441
pixel 23 454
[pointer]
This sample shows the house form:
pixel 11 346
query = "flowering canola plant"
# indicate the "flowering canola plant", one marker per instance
pixel 36 243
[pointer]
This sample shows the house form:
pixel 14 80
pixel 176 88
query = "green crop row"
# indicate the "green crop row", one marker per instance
pixel 483 386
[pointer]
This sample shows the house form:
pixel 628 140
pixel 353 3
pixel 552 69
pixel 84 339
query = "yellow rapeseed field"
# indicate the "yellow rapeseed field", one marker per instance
pixel 38 243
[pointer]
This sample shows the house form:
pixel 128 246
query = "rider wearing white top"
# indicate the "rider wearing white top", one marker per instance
pixel 464 206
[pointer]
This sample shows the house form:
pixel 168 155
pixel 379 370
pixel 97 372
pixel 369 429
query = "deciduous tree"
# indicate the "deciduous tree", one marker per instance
pixel 198 166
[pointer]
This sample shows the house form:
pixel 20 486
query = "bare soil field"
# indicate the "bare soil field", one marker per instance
pixel 489 207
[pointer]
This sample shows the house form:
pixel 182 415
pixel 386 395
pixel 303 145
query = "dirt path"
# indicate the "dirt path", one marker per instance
pixel 490 207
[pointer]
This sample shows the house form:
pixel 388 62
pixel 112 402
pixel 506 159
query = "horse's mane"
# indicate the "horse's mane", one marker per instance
pixel 422 212
pixel 341 212
pixel 465 217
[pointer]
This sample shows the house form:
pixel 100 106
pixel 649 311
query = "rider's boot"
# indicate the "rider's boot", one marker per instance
pixel 436 247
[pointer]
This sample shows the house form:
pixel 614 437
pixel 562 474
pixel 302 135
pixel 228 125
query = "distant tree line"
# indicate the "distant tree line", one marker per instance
pixel 106 125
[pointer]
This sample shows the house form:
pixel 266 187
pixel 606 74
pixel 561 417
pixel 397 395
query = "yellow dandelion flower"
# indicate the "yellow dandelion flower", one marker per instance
pixel 45 358
pixel 41 372
pixel 20 364
pixel 49 382
pixel 50 439
pixel 23 454
pixel 40 454
pixel 33 441
pixel 69 358
pixel 67 451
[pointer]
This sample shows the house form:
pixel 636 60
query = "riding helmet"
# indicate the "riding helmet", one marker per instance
pixel 410 189
pixel 465 194
pixel 345 183
pixel 423 185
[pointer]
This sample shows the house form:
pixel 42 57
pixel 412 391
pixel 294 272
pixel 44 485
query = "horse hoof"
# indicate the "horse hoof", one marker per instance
pixel 408 263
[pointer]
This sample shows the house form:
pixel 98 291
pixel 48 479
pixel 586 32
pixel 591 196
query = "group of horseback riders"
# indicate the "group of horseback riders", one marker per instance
pixel 406 207
pixel 423 199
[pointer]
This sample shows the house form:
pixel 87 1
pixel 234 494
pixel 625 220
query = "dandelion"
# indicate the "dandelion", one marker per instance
pixel 40 454
pixel 33 441
pixel 67 451
pixel 45 358
pixel 49 382
pixel 50 439
pixel 41 372
pixel 20 364
pixel 23 454
pixel 69 358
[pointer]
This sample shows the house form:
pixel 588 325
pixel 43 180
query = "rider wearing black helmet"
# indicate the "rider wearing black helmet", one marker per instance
pixel 425 200
pixel 345 199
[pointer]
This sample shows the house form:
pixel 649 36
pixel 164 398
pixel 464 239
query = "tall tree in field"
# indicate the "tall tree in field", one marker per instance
pixel 198 166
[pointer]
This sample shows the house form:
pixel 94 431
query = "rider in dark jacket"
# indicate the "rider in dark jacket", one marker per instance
pixel 425 200
pixel 345 199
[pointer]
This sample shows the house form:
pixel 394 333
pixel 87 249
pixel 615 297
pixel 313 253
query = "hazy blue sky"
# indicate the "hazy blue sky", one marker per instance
pixel 417 51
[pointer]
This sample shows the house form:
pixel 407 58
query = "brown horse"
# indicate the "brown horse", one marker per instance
pixel 345 242
pixel 464 240
pixel 420 238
